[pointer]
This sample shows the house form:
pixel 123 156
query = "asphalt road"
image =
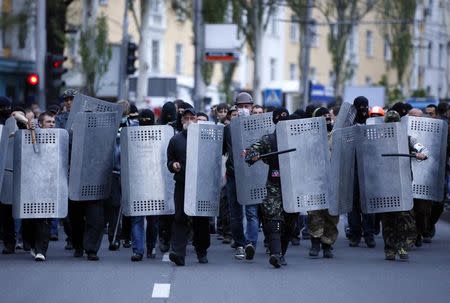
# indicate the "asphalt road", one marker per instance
pixel 354 275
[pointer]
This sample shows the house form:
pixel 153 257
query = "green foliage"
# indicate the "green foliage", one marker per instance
pixel 9 20
pixel 95 52
pixel 399 35
pixel 420 93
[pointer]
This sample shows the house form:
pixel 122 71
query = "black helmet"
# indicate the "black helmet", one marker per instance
pixel 243 98
pixel 69 93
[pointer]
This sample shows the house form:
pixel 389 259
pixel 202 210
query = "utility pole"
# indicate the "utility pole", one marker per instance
pixel 41 50
pixel 306 54
pixel 121 84
pixel 199 43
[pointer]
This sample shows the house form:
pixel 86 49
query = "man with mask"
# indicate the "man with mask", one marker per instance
pixel 244 243
pixel 360 224
pixel 397 226
pixel 279 224
pixel 176 163
pixel 67 97
pixel 322 226
pixel 146 118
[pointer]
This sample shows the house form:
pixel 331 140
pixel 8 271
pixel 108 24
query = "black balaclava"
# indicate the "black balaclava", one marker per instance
pixel 310 108
pixel 361 105
pixel 5 108
pixel 300 114
pixel 146 117
pixel 168 113
pixel 400 108
pixel 322 111
pixel 279 114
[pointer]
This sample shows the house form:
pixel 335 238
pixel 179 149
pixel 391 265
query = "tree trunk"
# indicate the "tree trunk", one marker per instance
pixel 257 63
pixel 144 53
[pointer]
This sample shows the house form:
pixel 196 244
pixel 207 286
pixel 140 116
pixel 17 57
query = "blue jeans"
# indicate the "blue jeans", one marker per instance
pixel 237 217
pixel 54 227
pixel 137 233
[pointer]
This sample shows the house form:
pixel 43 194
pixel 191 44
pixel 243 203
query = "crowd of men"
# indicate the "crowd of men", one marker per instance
pixel 86 223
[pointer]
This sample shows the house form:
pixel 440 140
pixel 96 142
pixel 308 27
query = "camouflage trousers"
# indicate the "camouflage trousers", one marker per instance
pixel 323 225
pixel 272 205
pixel 399 230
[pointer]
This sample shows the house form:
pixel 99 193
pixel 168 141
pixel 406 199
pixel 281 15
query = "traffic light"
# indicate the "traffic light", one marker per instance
pixel 131 58
pixel 31 88
pixel 55 71
pixel 32 80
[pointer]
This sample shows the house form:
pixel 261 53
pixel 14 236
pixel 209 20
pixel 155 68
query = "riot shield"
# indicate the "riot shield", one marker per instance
pixel 346 116
pixel 83 103
pixel 3 151
pixel 384 182
pixel 305 172
pixel 429 175
pixel 375 120
pixel 40 178
pixel 6 194
pixel 250 180
pixel 91 160
pixel 147 184
pixel 343 153
pixel 203 170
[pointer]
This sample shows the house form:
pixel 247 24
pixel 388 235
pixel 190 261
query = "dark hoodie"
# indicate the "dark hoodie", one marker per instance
pixel 168 113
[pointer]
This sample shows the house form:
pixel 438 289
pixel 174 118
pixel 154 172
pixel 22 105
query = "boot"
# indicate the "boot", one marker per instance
pixel 275 261
pixel 327 251
pixel 315 247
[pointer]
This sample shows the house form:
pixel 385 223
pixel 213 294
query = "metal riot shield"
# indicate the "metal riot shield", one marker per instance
pixel 83 103
pixel 375 120
pixel 203 170
pixel 6 194
pixel 147 184
pixel 429 175
pixel 384 182
pixel 40 178
pixel 346 116
pixel 250 181
pixel 305 172
pixel 343 153
pixel 4 134
pixel 91 162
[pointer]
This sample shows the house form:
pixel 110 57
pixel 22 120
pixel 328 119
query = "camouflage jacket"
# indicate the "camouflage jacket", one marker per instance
pixel 267 144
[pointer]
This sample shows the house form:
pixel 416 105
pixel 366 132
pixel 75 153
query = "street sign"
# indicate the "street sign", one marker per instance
pixel 273 97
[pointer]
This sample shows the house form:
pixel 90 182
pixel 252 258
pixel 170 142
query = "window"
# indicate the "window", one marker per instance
pixel 156 11
pixel 441 55
pixel 430 53
pixel 274 23
pixel 292 71
pixel 273 68
pixel 369 44
pixel 293 32
pixel 387 49
pixel 313 34
pixel 155 56
pixel 103 2
pixel 178 58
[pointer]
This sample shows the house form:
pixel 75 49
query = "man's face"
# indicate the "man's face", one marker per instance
pixel 202 118
pixel 187 119
pixel 234 114
pixel 363 110
pixel 431 111
pixel 257 111
pixel 221 114
pixel 68 103
pixel 48 122
pixel 415 113
pixel 245 105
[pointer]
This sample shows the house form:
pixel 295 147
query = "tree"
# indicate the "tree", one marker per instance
pixel 399 34
pixel 252 18
pixel 95 52
pixel 342 16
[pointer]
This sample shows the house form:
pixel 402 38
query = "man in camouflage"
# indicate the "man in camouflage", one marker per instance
pixel 279 223
pixel 399 227
pixel 322 225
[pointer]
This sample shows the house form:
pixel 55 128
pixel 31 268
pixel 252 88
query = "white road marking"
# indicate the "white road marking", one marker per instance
pixel 165 257
pixel 161 290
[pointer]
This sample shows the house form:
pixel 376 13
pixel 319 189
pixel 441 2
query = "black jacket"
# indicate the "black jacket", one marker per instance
pixel 176 152
pixel 228 150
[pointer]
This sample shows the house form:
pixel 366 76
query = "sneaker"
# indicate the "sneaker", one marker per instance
pixel 163 247
pixel 126 243
pixel 54 238
pixel 202 259
pixel 39 257
pixel 240 253
pixel 283 261
pixel 389 255
pixel 354 242
pixel 418 242
pixel 92 257
pixel 151 253
pixel 33 253
pixel 295 241
pixel 275 261
pixel 19 245
pixel 178 260
pixel 78 253
pixel 136 257
pixel 403 254
pixel 249 252
pixel 370 242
